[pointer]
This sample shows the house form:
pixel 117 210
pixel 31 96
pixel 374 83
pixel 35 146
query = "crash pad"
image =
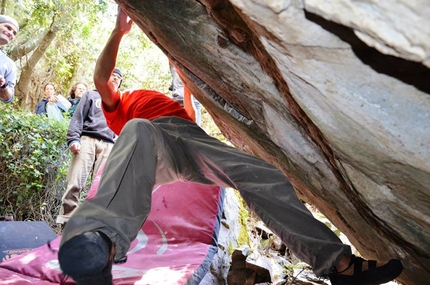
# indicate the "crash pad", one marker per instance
pixel 175 245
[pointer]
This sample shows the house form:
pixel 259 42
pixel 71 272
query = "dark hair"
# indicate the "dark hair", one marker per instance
pixel 73 89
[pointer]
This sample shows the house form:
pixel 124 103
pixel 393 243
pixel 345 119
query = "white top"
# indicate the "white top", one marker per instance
pixel 8 71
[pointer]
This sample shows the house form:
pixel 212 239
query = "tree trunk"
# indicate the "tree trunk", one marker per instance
pixel 3 7
pixel 26 97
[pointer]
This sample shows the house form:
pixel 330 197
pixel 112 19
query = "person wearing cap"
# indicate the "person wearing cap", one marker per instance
pixel 90 140
pixel 8 29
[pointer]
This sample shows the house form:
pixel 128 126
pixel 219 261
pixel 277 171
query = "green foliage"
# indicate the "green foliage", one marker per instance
pixel 143 64
pixel 79 36
pixel 82 29
pixel 33 165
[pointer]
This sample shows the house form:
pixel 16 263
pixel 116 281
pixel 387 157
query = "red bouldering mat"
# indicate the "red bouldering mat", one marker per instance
pixel 175 245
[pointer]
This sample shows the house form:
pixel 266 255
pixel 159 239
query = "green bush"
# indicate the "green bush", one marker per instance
pixel 34 160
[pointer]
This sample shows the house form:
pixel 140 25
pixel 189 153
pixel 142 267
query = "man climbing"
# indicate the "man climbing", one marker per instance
pixel 160 144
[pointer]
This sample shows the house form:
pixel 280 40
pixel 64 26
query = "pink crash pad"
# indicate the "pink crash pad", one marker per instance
pixel 175 246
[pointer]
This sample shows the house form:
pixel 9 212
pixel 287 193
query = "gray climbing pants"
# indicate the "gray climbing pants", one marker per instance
pixel 169 149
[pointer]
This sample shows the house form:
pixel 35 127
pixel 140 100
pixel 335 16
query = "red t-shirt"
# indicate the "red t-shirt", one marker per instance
pixel 144 104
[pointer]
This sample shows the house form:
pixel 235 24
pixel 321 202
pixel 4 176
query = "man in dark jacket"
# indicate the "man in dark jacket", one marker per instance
pixel 90 140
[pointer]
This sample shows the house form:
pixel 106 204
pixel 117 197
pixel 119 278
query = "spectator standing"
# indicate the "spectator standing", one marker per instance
pixel 50 105
pixel 76 92
pixel 182 95
pixel 177 87
pixel 90 140
pixel 8 30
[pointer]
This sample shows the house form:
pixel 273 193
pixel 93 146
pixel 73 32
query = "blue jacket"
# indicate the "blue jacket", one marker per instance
pixel 41 107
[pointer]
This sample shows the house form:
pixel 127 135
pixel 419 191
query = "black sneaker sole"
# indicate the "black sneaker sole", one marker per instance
pixel 85 255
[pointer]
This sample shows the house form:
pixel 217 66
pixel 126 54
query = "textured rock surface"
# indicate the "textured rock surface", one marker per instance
pixel 334 93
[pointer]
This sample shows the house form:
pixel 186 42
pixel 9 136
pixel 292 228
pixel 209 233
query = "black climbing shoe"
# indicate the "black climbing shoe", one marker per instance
pixel 372 276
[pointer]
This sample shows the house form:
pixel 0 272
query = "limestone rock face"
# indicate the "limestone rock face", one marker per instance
pixel 334 93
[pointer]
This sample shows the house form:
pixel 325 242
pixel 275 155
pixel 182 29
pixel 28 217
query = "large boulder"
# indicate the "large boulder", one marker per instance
pixel 334 93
